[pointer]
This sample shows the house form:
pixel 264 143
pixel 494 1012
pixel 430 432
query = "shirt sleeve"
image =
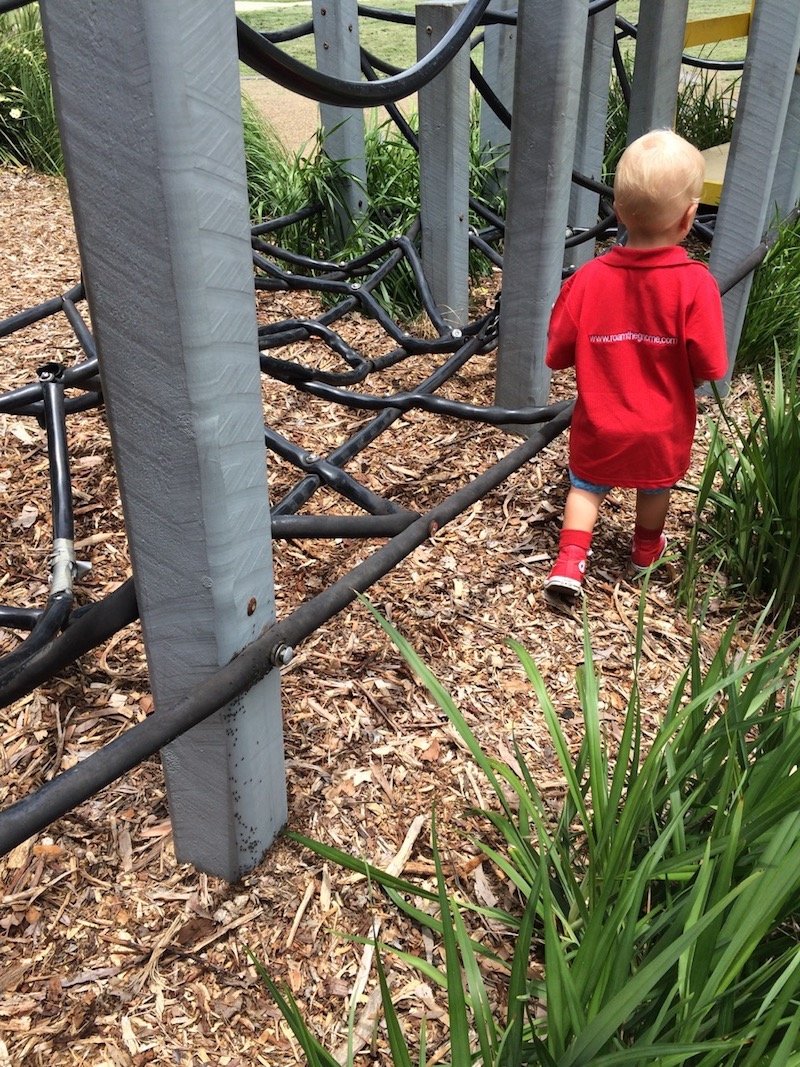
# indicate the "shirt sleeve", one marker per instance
pixel 705 332
pixel 561 334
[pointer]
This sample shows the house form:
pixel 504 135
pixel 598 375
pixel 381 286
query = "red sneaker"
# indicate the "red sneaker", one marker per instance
pixel 566 576
pixel 642 558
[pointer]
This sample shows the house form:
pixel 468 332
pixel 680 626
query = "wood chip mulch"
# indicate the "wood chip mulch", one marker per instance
pixel 113 953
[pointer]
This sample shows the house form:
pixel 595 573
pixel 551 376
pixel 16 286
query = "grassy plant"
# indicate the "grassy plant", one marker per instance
pixel 705 111
pixel 747 533
pixel 773 308
pixel 280 182
pixel 28 129
pixel 662 898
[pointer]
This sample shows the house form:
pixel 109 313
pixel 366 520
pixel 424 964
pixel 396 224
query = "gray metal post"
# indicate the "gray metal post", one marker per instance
pixel 149 109
pixel 338 54
pixel 592 115
pixel 757 133
pixel 444 166
pixel 499 47
pixel 786 187
pixel 546 97
pixel 657 66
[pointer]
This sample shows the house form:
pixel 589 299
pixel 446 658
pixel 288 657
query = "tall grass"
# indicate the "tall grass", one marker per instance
pixel 28 128
pixel 773 308
pixel 747 533
pixel 661 897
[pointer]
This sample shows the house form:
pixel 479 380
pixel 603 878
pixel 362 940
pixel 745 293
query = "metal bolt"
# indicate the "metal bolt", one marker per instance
pixel 281 655
pixel 456 333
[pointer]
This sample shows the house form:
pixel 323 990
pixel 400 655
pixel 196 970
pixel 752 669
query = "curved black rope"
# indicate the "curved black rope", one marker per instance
pixel 266 58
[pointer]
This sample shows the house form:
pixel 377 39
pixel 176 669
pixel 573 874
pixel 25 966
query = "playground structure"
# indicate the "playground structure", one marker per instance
pixel 160 173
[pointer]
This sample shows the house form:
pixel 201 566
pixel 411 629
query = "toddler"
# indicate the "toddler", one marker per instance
pixel 643 327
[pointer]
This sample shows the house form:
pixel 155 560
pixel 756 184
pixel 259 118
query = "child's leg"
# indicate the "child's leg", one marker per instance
pixel 575 540
pixel 581 510
pixel 648 537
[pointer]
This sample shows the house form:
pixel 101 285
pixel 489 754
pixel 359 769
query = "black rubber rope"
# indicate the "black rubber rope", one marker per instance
pixel 265 58
pixel 88 627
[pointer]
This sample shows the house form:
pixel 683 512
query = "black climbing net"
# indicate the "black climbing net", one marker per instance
pixel 56 633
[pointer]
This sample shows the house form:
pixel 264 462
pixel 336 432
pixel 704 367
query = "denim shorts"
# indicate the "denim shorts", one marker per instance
pixel 601 490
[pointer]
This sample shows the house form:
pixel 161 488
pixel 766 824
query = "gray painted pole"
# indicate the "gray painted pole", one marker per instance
pixel 444 166
pixel 546 98
pixel 657 66
pixel 499 47
pixel 786 187
pixel 761 112
pixel 150 117
pixel 338 54
pixel 590 139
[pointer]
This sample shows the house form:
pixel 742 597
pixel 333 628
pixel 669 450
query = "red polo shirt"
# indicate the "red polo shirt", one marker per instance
pixel 640 326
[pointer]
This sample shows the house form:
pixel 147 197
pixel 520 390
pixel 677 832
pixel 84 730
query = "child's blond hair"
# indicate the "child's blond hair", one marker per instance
pixel 658 177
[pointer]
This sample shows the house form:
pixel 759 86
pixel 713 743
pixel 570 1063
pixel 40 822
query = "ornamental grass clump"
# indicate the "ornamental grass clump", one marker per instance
pixel 660 900
pixel 747 535
pixel 773 307
pixel 28 129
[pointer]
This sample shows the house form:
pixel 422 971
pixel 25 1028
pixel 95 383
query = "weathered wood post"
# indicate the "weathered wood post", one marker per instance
pixel 591 131
pixel 786 187
pixel 150 116
pixel 657 66
pixel 444 166
pixel 758 131
pixel 499 49
pixel 547 89
pixel 338 54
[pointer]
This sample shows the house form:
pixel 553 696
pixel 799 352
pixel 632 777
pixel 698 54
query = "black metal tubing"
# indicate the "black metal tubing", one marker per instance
pixel 305 489
pixel 39 311
pixel 291 33
pixel 621 72
pixel 295 258
pixel 52 619
pixel 264 57
pixel 411 401
pixel 289 527
pixel 72 787
pixel 594 231
pixel 55 425
pixel 12 618
pixel 286 220
pixel 86 628
pixel 79 328
pixel 329 474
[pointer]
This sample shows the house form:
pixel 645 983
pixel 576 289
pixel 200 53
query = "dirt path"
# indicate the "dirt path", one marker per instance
pixel 294 118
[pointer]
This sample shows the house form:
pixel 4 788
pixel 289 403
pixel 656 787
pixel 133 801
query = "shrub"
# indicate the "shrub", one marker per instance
pixel 28 128
pixel 773 307
pixel 661 897
pixel 747 534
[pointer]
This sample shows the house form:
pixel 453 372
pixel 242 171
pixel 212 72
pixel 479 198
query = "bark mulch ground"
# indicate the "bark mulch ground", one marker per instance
pixel 111 951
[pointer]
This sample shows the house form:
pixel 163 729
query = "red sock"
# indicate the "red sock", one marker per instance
pixel 578 538
pixel 645 537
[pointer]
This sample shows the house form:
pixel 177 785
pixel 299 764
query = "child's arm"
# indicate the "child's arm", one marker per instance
pixel 561 335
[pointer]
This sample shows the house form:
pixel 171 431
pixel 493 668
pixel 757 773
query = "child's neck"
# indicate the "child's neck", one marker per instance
pixel 652 240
